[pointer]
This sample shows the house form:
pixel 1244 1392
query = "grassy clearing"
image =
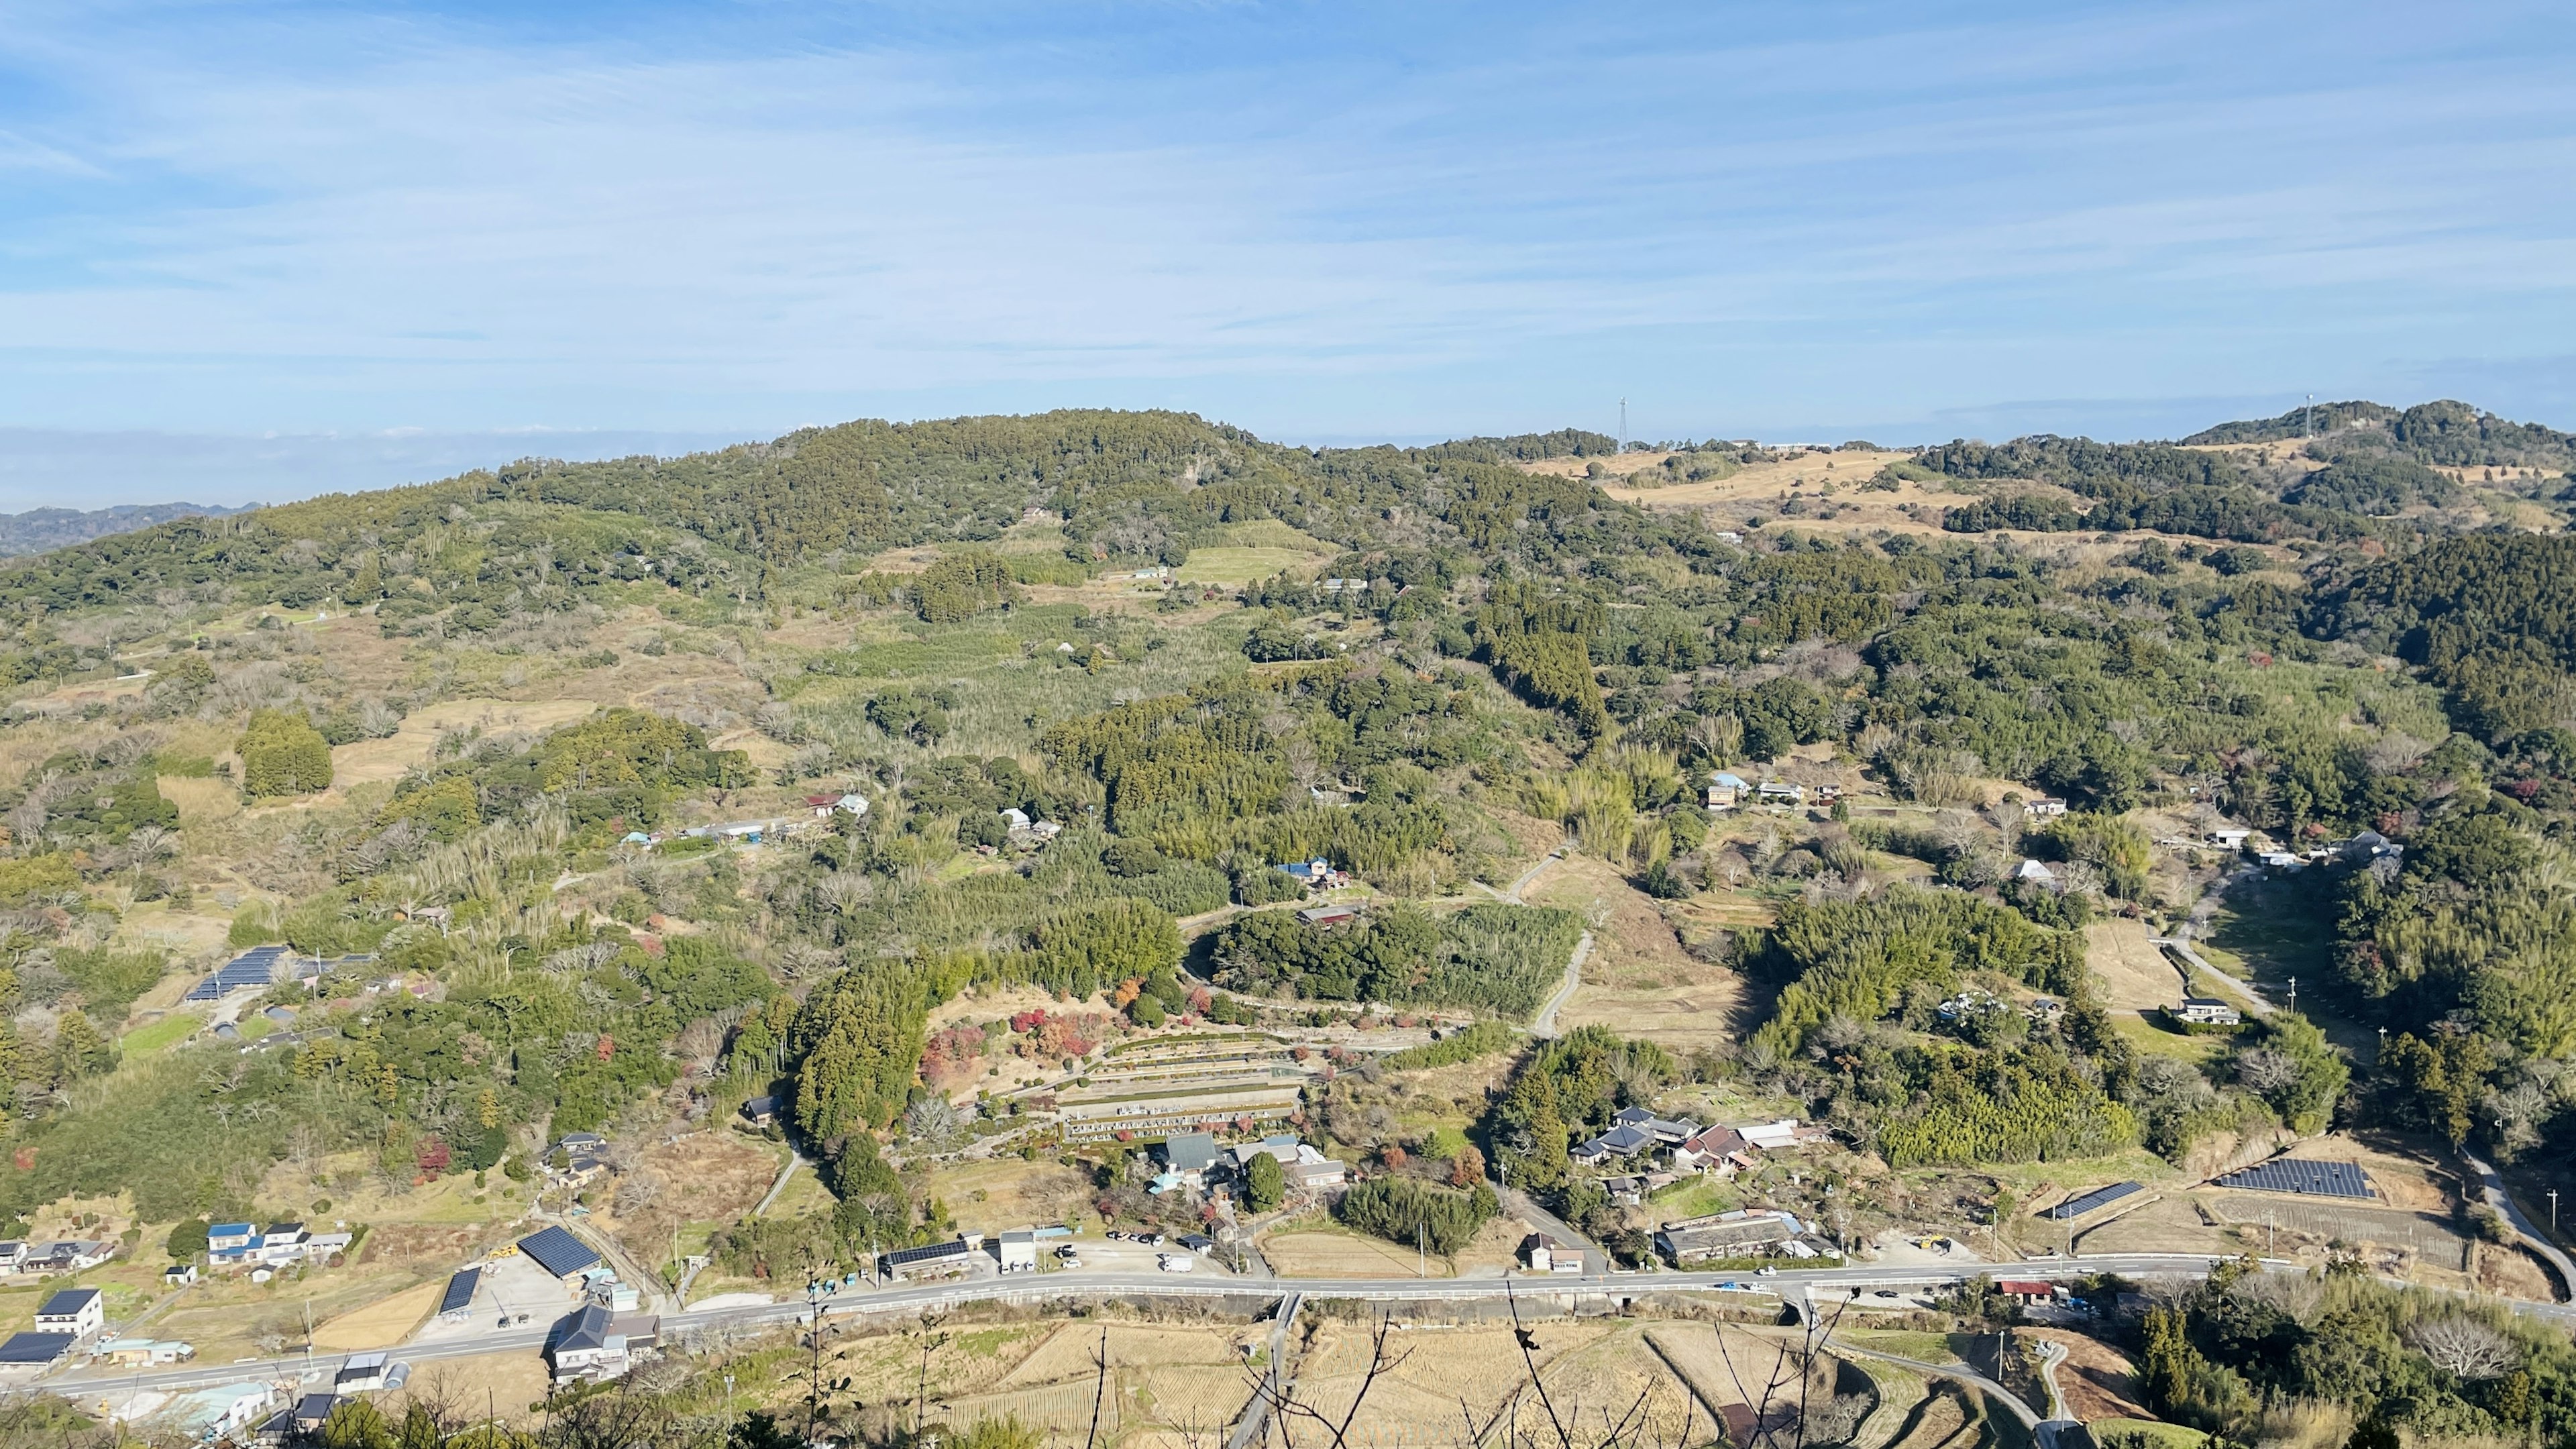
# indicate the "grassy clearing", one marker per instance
pixel 2144 1434
pixel 1916 1344
pixel 159 1036
pixel 1242 565
pixel 1008 678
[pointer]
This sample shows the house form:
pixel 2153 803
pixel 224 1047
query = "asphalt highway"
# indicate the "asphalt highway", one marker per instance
pixel 913 1299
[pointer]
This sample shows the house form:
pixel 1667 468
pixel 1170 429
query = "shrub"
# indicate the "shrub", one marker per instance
pixel 1403 1210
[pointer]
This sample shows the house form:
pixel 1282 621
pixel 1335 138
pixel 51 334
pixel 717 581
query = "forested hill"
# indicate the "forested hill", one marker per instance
pixel 2333 473
pixel 39 529
pixel 2442 434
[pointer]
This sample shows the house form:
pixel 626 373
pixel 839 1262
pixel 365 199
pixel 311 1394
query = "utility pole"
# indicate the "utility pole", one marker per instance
pixel 814 1376
pixel 2294 996
pixel 2553 1211
pixel 1623 427
pixel 2308 418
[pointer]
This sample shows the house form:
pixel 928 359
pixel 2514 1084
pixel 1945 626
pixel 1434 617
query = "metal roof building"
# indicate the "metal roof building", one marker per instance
pixel 558 1252
pixel 35 1348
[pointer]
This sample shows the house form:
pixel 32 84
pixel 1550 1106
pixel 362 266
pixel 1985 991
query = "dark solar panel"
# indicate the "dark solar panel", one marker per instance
pixel 460 1291
pixel 902 1257
pixel 2292 1174
pixel 557 1251
pixel 2076 1207
pixel 254 967
pixel 35 1347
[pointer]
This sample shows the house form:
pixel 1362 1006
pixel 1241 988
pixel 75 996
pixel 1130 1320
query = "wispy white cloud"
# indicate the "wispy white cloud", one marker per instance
pixel 1410 221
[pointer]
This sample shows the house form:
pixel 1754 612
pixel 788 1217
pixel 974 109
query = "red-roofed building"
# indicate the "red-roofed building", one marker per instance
pixel 2027 1291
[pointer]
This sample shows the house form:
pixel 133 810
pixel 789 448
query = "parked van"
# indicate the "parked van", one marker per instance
pixel 1177 1263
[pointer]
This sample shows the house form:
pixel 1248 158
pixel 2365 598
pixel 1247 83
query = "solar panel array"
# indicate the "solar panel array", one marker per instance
pixel 27 1348
pixel 460 1291
pixel 906 1257
pixel 254 967
pixel 2076 1207
pixel 2300 1175
pixel 557 1251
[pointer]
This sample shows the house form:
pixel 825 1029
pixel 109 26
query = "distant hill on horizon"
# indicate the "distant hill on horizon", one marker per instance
pixel 870 482
pixel 40 529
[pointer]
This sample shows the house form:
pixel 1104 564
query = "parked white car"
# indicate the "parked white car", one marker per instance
pixel 1177 1263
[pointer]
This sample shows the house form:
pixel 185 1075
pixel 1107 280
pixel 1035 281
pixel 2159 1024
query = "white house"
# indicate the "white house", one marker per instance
pixel 2208 1011
pixel 362 1373
pixel 2035 872
pixel 76 1311
pixel 1772 1136
pixel 1726 791
pixel 1017 1249
pixel 2044 807
pixel 1543 1254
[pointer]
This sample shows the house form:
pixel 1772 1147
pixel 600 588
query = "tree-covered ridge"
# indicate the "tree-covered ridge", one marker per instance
pixel 2492 618
pixel 2442 434
pixel 1496 958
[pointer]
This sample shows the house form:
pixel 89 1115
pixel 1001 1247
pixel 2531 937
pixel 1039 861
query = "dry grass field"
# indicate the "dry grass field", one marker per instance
pixel 1319 1252
pixel 702 1178
pixel 1809 491
pixel 2135 975
pixel 2096 1380
pixel 1637 977
pixel 512 1385
pixel 1007 1193
pixel 386 759
pixel 378 1325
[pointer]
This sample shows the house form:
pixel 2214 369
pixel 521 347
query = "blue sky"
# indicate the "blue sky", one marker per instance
pixel 258 250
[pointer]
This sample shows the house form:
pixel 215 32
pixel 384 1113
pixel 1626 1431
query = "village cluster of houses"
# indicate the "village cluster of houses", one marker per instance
pixel 248 1412
pixel 66 1255
pixel 1727 790
pixel 1193 1162
pixel 1318 874
pixel 1685 1148
pixel 245 1245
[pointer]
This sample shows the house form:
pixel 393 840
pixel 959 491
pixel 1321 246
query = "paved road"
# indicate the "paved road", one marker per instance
pixel 1205 1284
pixel 1256 1415
pixel 1544 1024
pixel 2502 1201
pixel 1961 1372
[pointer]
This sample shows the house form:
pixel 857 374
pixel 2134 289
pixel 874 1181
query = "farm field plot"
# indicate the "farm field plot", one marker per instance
pixel 1638 979
pixel 1161 1381
pixel 705 1176
pixel 1760 488
pixel 1336 1253
pixel 513 1384
pixel 378 1325
pixel 999 1195
pixel 2134 973
pixel 1236 566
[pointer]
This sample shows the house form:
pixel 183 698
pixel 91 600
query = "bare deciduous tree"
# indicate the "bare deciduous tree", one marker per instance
pixel 2466 1348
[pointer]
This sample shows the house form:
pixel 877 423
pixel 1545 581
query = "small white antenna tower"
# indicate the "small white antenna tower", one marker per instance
pixel 1623 427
